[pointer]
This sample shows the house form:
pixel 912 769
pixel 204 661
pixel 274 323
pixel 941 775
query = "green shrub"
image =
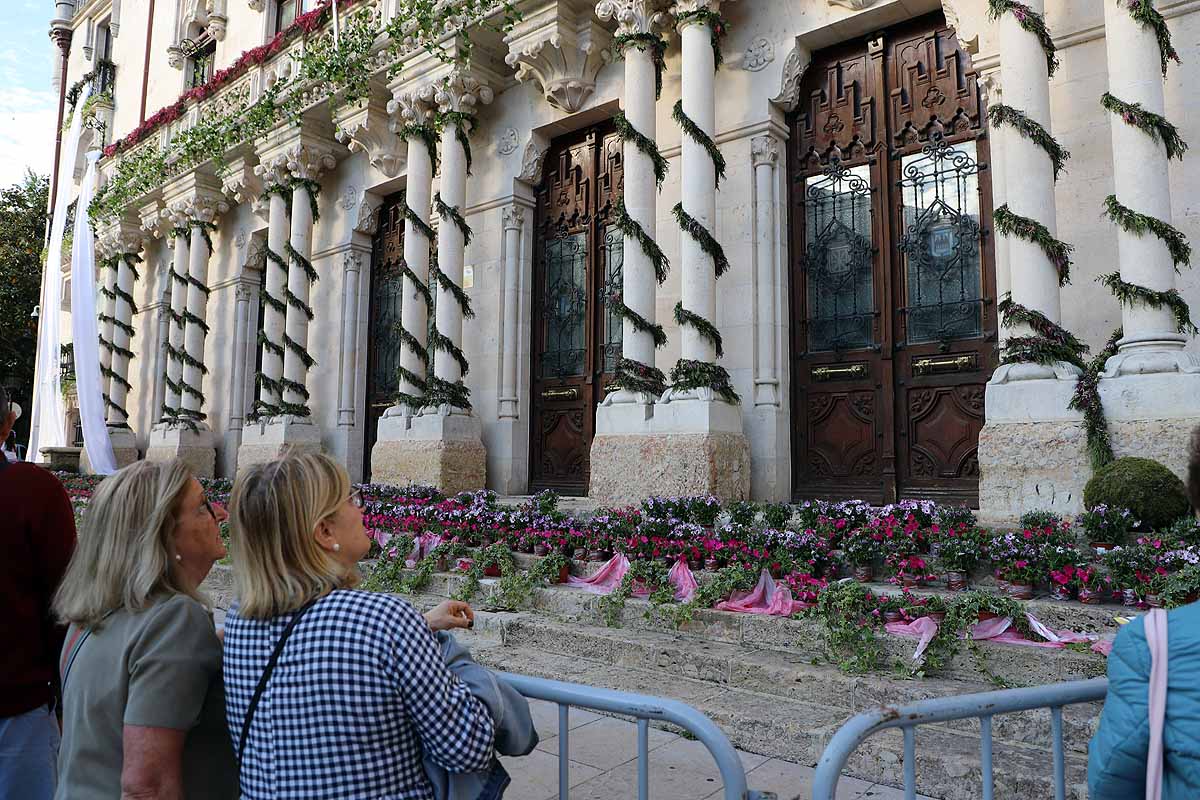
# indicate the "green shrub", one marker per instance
pixel 1154 494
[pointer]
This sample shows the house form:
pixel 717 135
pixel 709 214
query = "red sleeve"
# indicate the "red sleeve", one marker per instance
pixel 52 543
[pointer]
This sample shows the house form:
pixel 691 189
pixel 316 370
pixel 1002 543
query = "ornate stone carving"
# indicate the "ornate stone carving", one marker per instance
pixel 993 88
pixel 793 72
pixel 968 34
pixel 368 130
pixel 255 257
pixel 367 220
pixel 352 261
pixel 256 5
pixel 411 107
pixel 531 162
pixel 349 198
pixel 764 150
pixel 853 5
pixel 242 181
pixel 239 241
pixel 462 91
pixel 274 170
pixel 151 219
pixel 562 50
pixel 679 7
pixel 760 53
pixel 175 56
pixel 633 16
pixel 217 19
pixel 509 142
pixel 244 292
pixel 307 162
pixel 514 217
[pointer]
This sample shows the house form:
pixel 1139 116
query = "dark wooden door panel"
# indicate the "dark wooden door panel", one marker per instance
pixel 893 279
pixel 384 346
pixel 577 341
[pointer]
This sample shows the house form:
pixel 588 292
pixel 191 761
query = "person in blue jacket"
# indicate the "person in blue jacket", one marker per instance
pixel 1117 754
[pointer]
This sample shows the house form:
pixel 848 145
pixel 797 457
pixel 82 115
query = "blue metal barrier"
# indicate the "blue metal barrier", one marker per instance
pixel 943 709
pixel 644 708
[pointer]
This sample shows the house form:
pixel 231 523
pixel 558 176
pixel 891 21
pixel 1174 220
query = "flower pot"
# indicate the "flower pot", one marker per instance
pixel 1089 597
pixel 710 564
pixel 1129 597
pixel 863 573
pixel 935 549
pixel 1100 548
pixel 491 571
pixel 525 547
pixel 1020 591
pixel 1154 601
pixel 564 572
pixel 892 616
pixel 597 555
pixel 984 616
pixel 580 553
pixel 540 549
pixel 956 581
pixel 443 564
pixel 1059 592
pixel 1002 585
pixel 907 581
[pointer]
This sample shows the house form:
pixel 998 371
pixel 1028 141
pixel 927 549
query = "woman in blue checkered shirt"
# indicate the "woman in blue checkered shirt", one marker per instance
pixel 360 693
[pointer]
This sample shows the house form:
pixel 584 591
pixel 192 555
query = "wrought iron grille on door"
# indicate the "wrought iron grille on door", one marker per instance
pixel 576 335
pixel 892 271
pixel 384 346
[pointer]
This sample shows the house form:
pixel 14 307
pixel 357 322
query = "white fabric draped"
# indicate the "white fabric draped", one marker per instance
pixel 47 421
pixel 85 331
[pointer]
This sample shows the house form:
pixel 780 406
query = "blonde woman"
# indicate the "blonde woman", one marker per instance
pixel 143 706
pixel 333 692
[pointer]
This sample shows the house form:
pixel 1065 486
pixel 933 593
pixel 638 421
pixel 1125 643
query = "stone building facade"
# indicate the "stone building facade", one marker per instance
pixel 835 252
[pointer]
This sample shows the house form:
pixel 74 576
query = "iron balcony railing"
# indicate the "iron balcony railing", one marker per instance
pixel 103 77
pixel 644 709
pixel 984 706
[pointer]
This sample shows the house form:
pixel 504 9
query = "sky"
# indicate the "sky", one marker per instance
pixel 28 104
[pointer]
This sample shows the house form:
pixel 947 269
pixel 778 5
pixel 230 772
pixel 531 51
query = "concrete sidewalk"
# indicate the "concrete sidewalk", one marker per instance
pixel 604 765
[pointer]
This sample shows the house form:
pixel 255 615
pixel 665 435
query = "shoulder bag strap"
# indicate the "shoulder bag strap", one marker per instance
pixel 262 682
pixel 1156 640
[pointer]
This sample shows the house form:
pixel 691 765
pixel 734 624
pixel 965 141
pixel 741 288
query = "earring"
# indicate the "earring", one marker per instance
pixel 178 557
pixel 337 548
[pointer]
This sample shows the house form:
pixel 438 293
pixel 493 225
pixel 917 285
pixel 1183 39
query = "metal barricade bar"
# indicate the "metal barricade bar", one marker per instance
pixel 984 705
pixel 643 708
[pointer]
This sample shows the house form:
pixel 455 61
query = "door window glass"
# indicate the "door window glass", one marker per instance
pixel 565 309
pixel 614 259
pixel 940 243
pixel 837 259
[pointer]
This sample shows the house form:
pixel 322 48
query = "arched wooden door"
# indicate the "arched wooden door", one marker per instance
pixel 383 348
pixel 892 272
pixel 576 338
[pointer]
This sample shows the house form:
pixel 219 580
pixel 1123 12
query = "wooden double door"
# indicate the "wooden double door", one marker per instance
pixel 578 256
pixel 383 327
pixel 892 271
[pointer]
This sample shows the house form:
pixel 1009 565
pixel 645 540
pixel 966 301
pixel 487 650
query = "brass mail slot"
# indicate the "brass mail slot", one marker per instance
pixel 940 366
pixel 848 372
pixel 569 393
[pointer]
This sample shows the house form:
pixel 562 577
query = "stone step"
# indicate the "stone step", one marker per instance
pixel 770 725
pixel 1013 665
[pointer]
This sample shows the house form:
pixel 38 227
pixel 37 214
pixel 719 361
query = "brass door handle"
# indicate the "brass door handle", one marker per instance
pixel 929 366
pixel 834 373
pixel 569 393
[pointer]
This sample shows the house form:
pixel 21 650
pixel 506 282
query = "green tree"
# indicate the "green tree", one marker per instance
pixel 22 232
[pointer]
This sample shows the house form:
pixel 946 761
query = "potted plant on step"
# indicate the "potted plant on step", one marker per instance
pixel 1061 562
pixel 1093 584
pixel 1107 527
pixel 1125 564
pixel 1022 574
pixel 861 549
pixel 958 553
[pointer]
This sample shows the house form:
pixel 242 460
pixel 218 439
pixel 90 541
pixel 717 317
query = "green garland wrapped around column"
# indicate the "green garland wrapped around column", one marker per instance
pixel 628 133
pixel 628 226
pixel 702 326
pixel 1153 125
pixel 1086 400
pixel 1140 224
pixel 178 283
pixel 1031 21
pixel 1001 114
pixel 261 409
pixel 1059 253
pixel 646 41
pixel 1129 294
pixel 716 24
pixel 131 261
pixel 1148 16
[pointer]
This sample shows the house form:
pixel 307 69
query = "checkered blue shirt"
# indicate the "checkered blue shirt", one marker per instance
pixel 359 695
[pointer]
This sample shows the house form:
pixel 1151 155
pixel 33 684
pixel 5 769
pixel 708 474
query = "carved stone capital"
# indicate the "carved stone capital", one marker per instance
pixel 633 16
pixel 352 261
pixel 175 57
pixel 411 106
pixel 764 150
pixel 966 26
pixel 563 50
pixel 462 91
pixel 244 292
pixel 273 170
pixel 197 207
pixel 241 181
pixel 369 130
pixel 150 219
pixel 307 162
pixel 514 217
pixel 680 7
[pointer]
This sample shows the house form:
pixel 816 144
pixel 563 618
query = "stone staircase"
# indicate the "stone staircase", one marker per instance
pixel 765 682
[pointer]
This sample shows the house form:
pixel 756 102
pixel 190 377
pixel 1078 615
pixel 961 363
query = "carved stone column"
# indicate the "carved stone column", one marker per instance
pixel 513 226
pixel 178 277
pixel 764 154
pixel 270 337
pixel 204 210
pixel 508 446
pixel 442 446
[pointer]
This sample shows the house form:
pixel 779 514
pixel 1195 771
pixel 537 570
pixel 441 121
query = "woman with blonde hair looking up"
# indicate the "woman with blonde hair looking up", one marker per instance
pixel 333 692
pixel 141 666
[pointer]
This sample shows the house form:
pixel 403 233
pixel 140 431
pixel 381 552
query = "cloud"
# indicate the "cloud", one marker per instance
pixel 27 120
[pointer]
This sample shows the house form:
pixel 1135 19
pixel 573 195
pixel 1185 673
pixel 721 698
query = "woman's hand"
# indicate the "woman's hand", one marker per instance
pixel 450 614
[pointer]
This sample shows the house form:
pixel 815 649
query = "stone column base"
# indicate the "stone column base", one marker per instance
pixel 124 445
pixel 1027 463
pixel 195 448
pixel 438 447
pixel 271 439
pixel 687 444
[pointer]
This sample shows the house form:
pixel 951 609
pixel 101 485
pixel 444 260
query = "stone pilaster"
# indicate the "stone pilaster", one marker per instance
pixel 509 470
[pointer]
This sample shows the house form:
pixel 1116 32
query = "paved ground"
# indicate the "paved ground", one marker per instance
pixel 604 766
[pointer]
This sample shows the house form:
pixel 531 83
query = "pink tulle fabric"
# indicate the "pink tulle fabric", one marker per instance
pixel 683 580
pixel 1103 647
pixel 768 597
pixel 423 545
pixel 997 629
pixel 923 629
pixel 605 579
